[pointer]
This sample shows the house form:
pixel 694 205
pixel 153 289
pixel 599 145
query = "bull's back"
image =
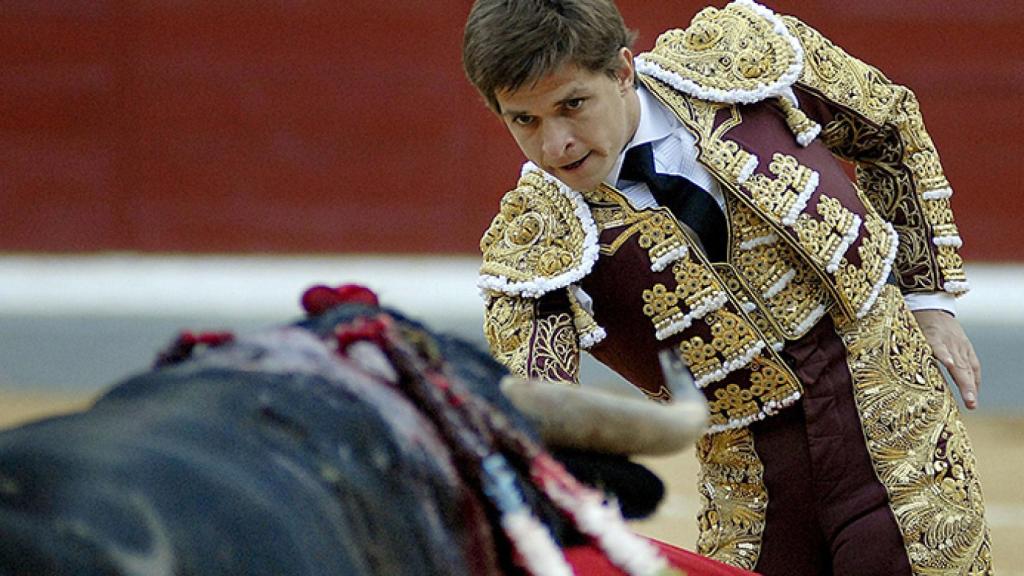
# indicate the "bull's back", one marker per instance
pixel 216 471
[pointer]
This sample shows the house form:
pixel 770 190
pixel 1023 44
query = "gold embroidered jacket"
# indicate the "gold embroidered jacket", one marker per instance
pixel 772 105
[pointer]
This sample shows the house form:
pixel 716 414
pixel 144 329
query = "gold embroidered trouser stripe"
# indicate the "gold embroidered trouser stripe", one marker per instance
pixel 917 442
pixel 733 498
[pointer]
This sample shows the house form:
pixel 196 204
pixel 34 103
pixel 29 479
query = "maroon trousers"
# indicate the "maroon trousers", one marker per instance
pixel 827 511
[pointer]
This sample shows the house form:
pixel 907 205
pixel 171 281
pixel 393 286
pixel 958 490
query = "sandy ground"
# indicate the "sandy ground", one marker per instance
pixel 998 442
pixel 999 448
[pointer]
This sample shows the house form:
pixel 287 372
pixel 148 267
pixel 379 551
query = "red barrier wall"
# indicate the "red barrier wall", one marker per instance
pixel 325 126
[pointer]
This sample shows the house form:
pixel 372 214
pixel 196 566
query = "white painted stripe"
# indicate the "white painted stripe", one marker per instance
pixel 270 286
pixel 229 286
pixel 996 296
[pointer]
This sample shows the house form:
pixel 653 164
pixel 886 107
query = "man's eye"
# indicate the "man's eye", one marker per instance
pixel 523 120
pixel 574 104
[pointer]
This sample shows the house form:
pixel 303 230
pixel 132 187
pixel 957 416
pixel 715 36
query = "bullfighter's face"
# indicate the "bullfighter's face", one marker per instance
pixel 574 123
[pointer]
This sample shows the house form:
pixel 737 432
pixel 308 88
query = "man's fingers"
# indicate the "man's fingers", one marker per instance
pixel 953 350
pixel 967 361
pixel 964 377
pixel 975 364
pixel 943 355
pixel 962 371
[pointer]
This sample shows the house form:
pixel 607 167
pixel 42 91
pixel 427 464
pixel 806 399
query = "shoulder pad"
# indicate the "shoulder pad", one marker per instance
pixel 544 238
pixel 740 54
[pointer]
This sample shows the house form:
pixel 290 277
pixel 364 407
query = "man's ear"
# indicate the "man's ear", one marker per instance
pixel 625 70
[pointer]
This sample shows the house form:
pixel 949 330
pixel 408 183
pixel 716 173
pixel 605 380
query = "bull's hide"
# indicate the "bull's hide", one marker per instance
pixel 271 454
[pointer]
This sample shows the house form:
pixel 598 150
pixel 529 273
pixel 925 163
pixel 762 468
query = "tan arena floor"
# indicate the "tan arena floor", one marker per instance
pixel 998 442
pixel 999 447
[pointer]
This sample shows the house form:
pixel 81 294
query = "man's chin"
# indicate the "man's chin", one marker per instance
pixel 578 182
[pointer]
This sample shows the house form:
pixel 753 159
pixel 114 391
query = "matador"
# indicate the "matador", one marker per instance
pixel 834 445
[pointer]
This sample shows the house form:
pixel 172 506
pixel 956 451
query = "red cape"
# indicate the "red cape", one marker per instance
pixel 591 561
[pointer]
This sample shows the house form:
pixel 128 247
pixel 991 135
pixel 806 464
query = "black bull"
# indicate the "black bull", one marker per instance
pixel 269 454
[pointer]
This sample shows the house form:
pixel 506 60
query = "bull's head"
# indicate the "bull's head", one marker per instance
pixel 355 442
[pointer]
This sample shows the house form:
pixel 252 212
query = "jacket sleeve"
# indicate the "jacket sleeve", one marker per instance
pixel 878 126
pixel 534 337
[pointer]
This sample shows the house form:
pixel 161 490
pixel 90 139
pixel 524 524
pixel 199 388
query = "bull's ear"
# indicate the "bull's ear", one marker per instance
pixel 636 490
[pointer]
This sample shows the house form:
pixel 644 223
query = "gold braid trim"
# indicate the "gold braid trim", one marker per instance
pixel 590 333
pixel 881 172
pixel 791 295
pixel 529 345
pixel 555 354
pixel 508 325
pixel 739 54
pixel 818 227
pixel 736 285
pixel 733 496
pixel 722 343
pixel 543 238
pixel 879 125
pixel 917 443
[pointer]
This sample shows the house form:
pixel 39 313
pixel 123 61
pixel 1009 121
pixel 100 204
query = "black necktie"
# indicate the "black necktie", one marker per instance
pixel 690 203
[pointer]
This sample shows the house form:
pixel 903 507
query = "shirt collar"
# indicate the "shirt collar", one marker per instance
pixel 656 123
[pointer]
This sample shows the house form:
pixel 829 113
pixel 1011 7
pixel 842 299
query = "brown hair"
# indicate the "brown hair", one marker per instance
pixel 510 43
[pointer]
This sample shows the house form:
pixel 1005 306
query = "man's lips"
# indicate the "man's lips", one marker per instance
pixel 576 164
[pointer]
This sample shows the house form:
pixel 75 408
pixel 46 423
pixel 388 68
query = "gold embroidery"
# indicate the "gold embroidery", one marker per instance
pixel 731 339
pixel 798 122
pixel 724 157
pixel 773 338
pixel 733 498
pixel 698 299
pixel 924 163
pixel 898 165
pixel 887 182
pixel 920 156
pixel 609 216
pixel 859 284
pixel 733 402
pixel 660 306
pixel 697 289
pixel 700 356
pixel 508 323
pixel 731 336
pixel 841 78
pixel 662 396
pixel 696 283
pixel 824 238
pixel 535 235
pixel 555 355
pixel 583 321
pixel 787 192
pixel 951 263
pixel 771 380
pixel 728 158
pixel 733 50
pixel 658 231
pixel 918 445
pixel 771 383
pixel 531 347
pixel 792 296
pixel 659 235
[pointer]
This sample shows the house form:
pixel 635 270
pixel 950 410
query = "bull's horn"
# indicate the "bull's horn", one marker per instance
pixel 600 421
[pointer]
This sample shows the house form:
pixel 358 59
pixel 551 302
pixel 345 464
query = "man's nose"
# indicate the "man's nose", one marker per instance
pixel 558 139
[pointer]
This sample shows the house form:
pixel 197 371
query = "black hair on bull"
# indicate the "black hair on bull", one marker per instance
pixel 264 454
